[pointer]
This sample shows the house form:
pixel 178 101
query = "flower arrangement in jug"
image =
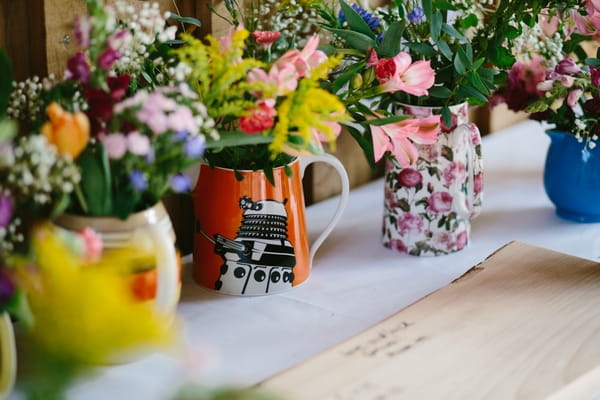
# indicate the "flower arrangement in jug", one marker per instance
pixel 271 109
pixel 420 53
pixel 556 81
pixel 121 111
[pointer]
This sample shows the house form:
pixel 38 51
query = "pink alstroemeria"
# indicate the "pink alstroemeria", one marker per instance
pixel 398 138
pixel 413 78
pixel 283 76
pixel 305 60
pixel 266 38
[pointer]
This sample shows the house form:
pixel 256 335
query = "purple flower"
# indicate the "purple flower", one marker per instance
pixel 416 16
pixel 180 136
pixel 567 67
pixel 180 183
pixel 6 210
pixel 194 147
pixel 138 144
pixel 138 181
pixel 78 68
pixel 7 287
pixel 108 58
pixel 150 157
pixel 369 18
pixel 595 73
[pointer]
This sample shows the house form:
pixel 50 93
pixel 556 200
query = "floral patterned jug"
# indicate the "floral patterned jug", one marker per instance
pixel 428 207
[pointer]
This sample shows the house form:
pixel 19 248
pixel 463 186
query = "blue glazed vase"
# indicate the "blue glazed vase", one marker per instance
pixel 572 178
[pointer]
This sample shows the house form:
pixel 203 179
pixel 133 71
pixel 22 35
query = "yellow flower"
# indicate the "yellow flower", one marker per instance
pixel 86 313
pixel 68 132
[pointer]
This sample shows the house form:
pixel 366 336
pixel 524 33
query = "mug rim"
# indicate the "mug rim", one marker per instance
pixel 249 171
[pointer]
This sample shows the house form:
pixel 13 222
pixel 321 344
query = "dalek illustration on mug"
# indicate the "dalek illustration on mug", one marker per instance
pixel 260 259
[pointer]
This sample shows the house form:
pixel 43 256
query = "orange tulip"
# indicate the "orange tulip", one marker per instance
pixel 69 132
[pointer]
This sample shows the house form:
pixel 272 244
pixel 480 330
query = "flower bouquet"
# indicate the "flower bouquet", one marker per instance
pixel 559 84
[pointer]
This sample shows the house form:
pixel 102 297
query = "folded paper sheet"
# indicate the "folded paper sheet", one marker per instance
pixel 524 324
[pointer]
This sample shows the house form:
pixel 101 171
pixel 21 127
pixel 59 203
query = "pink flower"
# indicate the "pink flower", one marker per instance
pixel 182 120
pixel 455 171
pixel 548 24
pixel 398 245
pixel 138 144
pixel 413 78
pixel 439 202
pixel 573 96
pixel 475 135
pixel 478 183
pixel 266 38
pixel 567 67
pixel 115 145
pixel 283 76
pixel 83 26
pixel 92 243
pixel 461 240
pixel 259 119
pixel 108 58
pixel 409 177
pixel 595 74
pixel 398 138
pixel 305 60
pixel 118 39
pixel 408 222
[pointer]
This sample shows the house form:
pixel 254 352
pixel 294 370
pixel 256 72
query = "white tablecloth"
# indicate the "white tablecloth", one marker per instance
pixel 355 282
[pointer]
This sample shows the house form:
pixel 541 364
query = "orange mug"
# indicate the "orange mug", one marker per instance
pixel 250 235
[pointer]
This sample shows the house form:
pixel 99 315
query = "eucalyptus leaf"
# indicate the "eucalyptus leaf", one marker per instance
pixel 459 67
pixel 422 48
pixel 355 21
pixel 364 142
pixel 390 45
pixel 446 116
pixel 355 39
pixel 185 20
pixel 440 92
pixel 444 49
pixel 436 25
pixel 449 29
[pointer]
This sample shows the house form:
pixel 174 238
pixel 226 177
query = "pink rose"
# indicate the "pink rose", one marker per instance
pixel 398 245
pixel 410 177
pixel 408 222
pixel 439 202
pixel 456 171
pixel 478 183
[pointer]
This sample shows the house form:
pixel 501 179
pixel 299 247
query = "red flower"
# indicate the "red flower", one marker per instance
pixel 266 38
pixel 260 119
pixel 385 68
pixel 101 103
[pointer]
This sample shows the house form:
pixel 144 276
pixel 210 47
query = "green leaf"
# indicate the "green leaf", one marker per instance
pixel 477 82
pixel 237 138
pixel 386 120
pixel 469 21
pixel 446 116
pixel 440 92
pixel 594 62
pixel 95 180
pixel 459 67
pixel 355 21
pixel 478 63
pixel 469 91
pixel 443 5
pixel 185 20
pixel 449 29
pixel 464 58
pixel 444 49
pixel 390 45
pixel 502 58
pixel 427 9
pixel 512 32
pixel 8 129
pixel 357 40
pixel 403 204
pixel 423 48
pixel 5 82
pixel 469 53
pixel 365 144
pixel 436 25
pixel 125 201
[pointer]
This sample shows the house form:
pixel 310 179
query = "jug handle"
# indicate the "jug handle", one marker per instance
pixel 167 269
pixel 470 204
pixel 8 355
pixel 305 161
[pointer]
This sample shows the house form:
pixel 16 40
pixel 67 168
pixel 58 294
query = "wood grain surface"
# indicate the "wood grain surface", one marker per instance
pixel 524 324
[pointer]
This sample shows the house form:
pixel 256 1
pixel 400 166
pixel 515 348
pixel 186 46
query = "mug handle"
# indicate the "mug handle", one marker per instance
pixel 8 356
pixel 305 161
pixel 167 268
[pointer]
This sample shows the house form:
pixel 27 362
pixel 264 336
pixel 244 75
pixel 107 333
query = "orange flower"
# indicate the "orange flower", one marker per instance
pixel 68 132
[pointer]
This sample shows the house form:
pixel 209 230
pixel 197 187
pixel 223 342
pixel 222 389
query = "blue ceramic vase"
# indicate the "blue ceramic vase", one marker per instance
pixel 572 178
